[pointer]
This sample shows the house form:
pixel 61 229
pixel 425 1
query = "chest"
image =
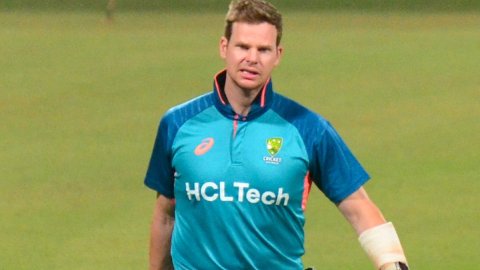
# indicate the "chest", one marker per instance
pixel 266 153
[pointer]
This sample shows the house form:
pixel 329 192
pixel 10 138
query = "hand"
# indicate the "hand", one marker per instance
pixel 394 266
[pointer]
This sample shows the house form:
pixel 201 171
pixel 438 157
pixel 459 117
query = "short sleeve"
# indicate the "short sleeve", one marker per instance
pixel 334 168
pixel 160 174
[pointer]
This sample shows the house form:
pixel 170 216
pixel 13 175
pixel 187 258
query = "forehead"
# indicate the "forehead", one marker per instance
pixel 264 33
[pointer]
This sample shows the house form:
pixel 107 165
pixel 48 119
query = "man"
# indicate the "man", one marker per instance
pixel 233 168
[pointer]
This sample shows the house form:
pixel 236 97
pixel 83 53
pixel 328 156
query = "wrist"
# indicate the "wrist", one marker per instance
pixel 382 245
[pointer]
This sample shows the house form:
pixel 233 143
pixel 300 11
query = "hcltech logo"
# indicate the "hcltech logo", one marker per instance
pixel 241 192
pixel 273 147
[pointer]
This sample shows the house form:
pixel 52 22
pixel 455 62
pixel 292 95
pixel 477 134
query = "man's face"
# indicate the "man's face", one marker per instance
pixel 250 55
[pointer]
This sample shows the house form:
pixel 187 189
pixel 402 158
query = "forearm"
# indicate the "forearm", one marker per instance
pixel 160 237
pixel 377 237
pixel 361 212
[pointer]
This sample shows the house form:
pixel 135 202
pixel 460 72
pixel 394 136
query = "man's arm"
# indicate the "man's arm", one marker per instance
pixel 377 237
pixel 360 211
pixel 161 233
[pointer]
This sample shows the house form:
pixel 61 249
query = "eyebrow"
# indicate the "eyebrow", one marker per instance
pixel 265 47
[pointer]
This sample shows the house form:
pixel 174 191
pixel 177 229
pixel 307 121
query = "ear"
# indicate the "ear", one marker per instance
pixel 279 55
pixel 223 47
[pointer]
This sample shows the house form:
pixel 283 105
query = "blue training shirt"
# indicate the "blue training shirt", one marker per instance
pixel 241 183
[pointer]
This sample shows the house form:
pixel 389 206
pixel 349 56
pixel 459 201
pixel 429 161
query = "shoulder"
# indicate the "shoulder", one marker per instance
pixel 175 117
pixel 304 119
pixel 178 115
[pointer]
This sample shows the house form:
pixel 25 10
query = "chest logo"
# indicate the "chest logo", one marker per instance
pixel 204 146
pixel 273 147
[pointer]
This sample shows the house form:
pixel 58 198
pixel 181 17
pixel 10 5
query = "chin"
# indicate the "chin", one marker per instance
pixel 251 85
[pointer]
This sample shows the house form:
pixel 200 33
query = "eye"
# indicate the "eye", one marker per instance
pixel 264 50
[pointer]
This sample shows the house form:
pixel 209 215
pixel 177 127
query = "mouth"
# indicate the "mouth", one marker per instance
pixel 249 73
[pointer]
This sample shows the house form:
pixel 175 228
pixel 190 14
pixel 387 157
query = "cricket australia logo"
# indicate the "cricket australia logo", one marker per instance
pixel 273 147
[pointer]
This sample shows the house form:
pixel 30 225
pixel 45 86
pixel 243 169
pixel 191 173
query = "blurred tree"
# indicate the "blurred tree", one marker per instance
pixel 111 5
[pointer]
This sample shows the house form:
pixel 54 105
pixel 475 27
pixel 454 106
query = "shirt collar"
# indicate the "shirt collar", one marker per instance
pixel 260 105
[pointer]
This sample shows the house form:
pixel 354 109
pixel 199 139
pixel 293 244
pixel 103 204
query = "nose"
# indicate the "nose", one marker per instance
pixel 252 56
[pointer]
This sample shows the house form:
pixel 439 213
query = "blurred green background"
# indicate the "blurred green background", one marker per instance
pixel 80 100
pixel 220 5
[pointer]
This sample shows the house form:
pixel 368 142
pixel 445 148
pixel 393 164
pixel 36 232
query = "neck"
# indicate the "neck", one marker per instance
pixel 240 99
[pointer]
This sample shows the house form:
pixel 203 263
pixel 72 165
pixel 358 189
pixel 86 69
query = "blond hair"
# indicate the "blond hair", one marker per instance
pixel 252 11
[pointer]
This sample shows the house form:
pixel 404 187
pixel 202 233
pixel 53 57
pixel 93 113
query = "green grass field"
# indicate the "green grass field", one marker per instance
pixel 80 102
